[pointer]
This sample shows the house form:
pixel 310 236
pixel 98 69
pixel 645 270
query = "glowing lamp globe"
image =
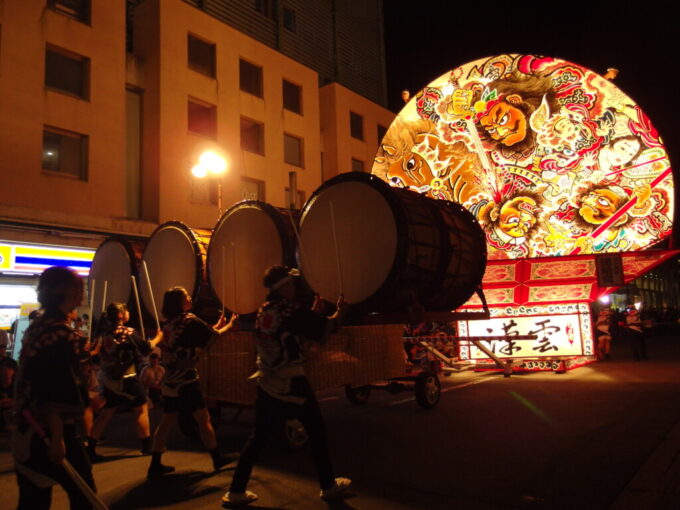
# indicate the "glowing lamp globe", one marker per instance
pixel 199 171
pixel 213 162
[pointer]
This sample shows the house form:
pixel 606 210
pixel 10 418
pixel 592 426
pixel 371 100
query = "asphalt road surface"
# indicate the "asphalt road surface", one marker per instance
pixel 602 436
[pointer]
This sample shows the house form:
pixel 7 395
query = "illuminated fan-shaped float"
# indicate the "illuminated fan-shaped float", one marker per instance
pixel 553 160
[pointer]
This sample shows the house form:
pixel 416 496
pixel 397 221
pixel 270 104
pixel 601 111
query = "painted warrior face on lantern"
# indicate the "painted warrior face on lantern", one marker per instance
pixel 599 205
pixel 622 151
pixel 518 216
pixel 505 122
pixel 499 132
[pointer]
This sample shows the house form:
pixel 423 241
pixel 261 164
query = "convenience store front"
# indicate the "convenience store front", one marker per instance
pixel 20 267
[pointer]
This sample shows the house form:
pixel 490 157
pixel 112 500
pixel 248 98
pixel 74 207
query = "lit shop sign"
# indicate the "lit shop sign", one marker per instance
pixel 33 259
pixel 551 158
pixel 561 330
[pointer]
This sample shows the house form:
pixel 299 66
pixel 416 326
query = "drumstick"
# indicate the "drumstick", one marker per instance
pixel 153 300
pixel 224 279
pixel 82 485
pixel 92 287
pixel 139 307
pixel 303 254
pixel 234 268
pixel 106 287
pixel 335 244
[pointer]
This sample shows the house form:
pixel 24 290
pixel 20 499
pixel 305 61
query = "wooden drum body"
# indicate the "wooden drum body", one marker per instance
pixel 389 249
pixel 250 237
pixel 463 269
pixel 115 262
pixel 175 255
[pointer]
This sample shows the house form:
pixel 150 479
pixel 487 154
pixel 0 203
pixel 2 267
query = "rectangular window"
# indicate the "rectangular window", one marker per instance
pixel 67 72
pixel 292 97
pixel 250 78
pixel 201 56
pixel 65 152
pixel 357 165
pixel 356 126
pixel 76 9
pixel 202 119
pixel 200 191
pixel 252 136
pixel 252 189
pixel 292 150
pixel 289 19
pixel 266 8
pixel 382 131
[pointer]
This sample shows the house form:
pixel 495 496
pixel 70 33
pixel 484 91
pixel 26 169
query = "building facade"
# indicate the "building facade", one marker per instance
pixel 102 129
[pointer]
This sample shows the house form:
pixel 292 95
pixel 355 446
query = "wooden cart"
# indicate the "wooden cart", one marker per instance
pixel 356 358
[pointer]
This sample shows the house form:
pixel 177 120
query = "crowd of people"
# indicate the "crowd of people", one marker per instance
pixel 71 379
pixel 631 325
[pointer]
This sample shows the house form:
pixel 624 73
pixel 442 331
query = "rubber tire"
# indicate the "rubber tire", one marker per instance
pixel 292 436
pixel 428 390
pixel 358 395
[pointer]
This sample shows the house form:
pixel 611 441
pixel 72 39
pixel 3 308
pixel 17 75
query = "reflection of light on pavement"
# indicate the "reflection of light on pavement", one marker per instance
pixel 531 407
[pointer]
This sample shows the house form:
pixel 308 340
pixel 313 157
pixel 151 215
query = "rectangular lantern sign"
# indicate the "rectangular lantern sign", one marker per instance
pixel 561 330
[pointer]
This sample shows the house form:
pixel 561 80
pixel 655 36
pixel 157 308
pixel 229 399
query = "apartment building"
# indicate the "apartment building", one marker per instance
pixel 100 141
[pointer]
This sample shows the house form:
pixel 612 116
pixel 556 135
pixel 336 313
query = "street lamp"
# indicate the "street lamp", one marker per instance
pixel 211 163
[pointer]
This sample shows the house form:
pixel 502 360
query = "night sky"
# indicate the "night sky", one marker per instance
pixel 642 40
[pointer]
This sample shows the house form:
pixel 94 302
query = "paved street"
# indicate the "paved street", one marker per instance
pixel 602 436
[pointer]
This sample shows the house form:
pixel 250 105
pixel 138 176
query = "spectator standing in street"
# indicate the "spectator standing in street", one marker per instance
pixel 183 334
pixel 283 391
pixel 4 343
pixel 7 374
pixel 152 377
pixel 603 327
pixel 636 334
pixel 47 389
pixel 120 350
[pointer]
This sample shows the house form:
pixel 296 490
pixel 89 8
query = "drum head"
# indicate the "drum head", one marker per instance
pixel 244 244
pixel 365 235
pixel 111 271
pixel 172 259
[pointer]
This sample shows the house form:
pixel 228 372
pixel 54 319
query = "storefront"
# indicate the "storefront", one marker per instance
pixel 20 267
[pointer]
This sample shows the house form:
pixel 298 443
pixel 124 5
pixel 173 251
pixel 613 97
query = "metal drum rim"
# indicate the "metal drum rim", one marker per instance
pixel 399 263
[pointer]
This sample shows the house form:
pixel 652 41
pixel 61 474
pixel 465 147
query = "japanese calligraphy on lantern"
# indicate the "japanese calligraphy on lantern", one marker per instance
pixel 550 157
pixel 561 331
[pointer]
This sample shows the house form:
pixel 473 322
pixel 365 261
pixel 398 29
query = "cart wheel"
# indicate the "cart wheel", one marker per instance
pixel 428 390
pixel 292 435
pixel 358 395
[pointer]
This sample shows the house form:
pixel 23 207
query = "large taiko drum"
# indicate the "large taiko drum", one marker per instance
pixel 387 249
pixel 110 280
pixel 248 238
pixel 175 255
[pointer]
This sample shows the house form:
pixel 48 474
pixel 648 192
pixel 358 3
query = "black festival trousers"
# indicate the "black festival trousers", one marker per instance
pixel 270 413
pixel 33 497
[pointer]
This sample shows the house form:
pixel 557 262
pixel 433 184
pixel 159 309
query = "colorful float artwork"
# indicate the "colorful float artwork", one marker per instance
pixel 550 157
